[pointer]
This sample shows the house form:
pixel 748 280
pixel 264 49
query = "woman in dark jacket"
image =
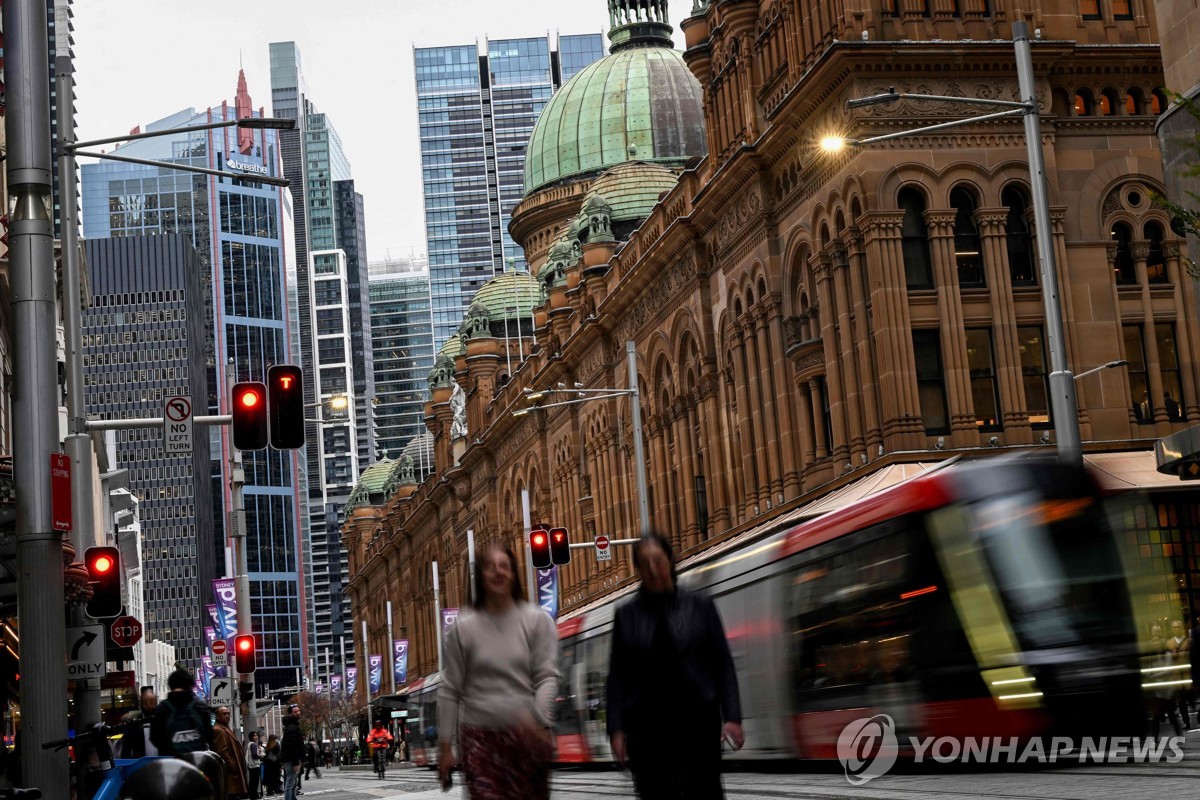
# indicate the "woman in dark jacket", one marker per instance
pixel 272 771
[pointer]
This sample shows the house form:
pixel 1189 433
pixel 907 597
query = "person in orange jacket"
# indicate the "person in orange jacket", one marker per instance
pixel 379 740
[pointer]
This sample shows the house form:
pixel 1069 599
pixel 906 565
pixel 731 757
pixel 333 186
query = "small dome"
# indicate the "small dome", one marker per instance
pixel 369 491
pixel 420 450
pixel 510 295
pixel 640 95
pixel 632 189
pixel 452 347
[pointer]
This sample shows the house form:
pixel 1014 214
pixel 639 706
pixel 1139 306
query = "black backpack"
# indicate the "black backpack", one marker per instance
pixel 185 728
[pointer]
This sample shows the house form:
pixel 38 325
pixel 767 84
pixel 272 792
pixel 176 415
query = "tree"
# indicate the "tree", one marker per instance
pixel 1185 221
pixel 314 714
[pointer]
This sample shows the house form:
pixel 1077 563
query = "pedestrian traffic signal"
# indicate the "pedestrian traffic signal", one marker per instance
pixel 539 548
pixel 285 384
pixel 560 546
pixel 104 575
pixel 243 653
pixel 249 416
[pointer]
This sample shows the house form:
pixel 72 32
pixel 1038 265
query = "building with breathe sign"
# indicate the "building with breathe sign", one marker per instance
pixel 143 340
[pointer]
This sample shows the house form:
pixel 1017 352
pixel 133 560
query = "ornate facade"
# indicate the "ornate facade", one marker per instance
pixel 803 321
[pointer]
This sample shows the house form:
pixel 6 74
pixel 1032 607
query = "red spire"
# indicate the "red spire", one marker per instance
pixel 242 108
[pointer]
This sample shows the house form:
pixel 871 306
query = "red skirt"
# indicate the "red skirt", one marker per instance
pixel 505 764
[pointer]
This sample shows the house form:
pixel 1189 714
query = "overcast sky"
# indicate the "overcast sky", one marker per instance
pixel 141 60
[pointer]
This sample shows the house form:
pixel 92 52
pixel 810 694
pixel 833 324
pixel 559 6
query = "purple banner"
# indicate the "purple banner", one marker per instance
pixel 318 688
pixel 400 661
pixel 351 680
pixel 547 591
pixel 375 673
pixel 335 685
pixel 214 616
pixel 226 597
pixel 200 689
pixel 449 617
pixel 206 673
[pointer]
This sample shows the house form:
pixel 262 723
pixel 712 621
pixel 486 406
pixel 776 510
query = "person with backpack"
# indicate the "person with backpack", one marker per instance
pixel 182 723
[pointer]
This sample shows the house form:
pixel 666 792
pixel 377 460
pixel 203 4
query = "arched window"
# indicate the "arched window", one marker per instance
pixel 1123 263
pixel 967 247
pixel 1108 102
pixel 1133 102
pixel 1083 102
pixel 918 269
pixel 1156 263
pixel 1017 237
pixel 1158 102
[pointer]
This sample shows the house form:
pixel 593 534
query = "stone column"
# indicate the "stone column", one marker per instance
pixel 782 370
pixel 1141 252
pixel 818 417
pixel 1013 408
pixel 863 342
pixel 687 472
pixel 839 448
pixel 1074 354
pixel 764 454
pixel 771 400
pixel 746 442
pixel 851 381
pixel 1185 330
pixel 807 423
pixel 963 430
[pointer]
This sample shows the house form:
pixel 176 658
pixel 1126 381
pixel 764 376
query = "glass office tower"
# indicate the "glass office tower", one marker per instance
pixel 239 230
pixel 476 113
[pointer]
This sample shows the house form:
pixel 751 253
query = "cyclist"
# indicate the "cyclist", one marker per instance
pixel 379 740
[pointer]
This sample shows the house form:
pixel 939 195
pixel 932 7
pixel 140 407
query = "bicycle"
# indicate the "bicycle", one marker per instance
pixel 146 778
pixel 379 757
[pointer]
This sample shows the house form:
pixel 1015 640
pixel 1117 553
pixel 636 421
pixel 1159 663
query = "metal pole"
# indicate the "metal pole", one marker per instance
pixel 78 444
pixel 391 648
pixel 437 615
pixel 364 667
pixel 35 391
pixel 639 454
pixel 532 584
pixel 237 524
pixel 471 565
pixel 1062 384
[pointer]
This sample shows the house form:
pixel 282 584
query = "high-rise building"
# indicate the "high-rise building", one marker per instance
pixel 143 342
pixel 402 338
pixel 239 229
pixel 59 17
pixel 333 306
pixel 476 115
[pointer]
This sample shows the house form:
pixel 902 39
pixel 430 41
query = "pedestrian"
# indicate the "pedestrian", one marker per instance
pixel 312 757
pixel 379 739
pixel 135 740
pixel 254 756
pixel 291 752
pixel 182 723
pixel 672 689
pixel 498 687
pixel 227 746
pixel 1179 651
pixel 272 766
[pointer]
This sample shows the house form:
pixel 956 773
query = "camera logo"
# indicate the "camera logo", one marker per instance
pixel 867 748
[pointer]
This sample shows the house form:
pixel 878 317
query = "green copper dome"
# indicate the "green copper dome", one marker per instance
pixel 369 490
pixel 452 347
pixel 639 95
pixel 510 295
pixel 632 189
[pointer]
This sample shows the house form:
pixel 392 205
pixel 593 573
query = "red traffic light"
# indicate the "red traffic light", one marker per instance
pixel 285 382
pixel 245 644
pixel 249 416
pixel 539 549
pixel 560 546
pixel 101 565
pixel 243 653
pixel 250 398
pixel 104 576
pixel 539 539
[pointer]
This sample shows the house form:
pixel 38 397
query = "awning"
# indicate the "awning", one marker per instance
pixel 1120 472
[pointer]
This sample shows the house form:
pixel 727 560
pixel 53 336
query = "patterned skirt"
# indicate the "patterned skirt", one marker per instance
pixel 505 764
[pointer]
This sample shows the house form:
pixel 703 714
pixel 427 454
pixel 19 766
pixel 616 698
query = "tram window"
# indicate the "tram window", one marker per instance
pixel 566 718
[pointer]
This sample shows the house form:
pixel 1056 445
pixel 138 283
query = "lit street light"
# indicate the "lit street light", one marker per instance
pixel 1063 401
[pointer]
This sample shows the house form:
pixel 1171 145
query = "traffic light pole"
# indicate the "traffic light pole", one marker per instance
pixel 35 387
pixel 237 524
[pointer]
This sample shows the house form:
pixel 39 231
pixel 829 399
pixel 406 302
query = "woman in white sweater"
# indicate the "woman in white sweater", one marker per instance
pixel 499 678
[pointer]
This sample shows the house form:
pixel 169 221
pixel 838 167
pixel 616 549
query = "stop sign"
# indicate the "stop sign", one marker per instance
pixel 126 631
pixel 218 647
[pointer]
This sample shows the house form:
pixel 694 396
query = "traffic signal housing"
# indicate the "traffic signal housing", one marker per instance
pixel 560 546
pixel 249 416
pixel 285 385
pixel 539 548
pixel 243 652
pixel 105 576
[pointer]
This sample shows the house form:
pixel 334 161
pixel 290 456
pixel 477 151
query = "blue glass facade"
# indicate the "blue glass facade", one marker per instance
pixel 476 113
pixel 238 229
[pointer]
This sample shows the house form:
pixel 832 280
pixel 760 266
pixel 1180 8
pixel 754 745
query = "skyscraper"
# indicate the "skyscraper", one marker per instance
pixel 143 341
pixel 333 306
pixel 403 341
pixel 239 231
pixel 476 114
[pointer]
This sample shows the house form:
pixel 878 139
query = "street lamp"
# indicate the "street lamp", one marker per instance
pixel 1110 365
pixel 1062 383
pixel 587 396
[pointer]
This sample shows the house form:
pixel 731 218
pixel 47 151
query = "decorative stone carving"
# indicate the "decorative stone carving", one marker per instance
pixel 478 322
pixel 442 374
pixel 408 471
pixel 458 405
pixel 598 214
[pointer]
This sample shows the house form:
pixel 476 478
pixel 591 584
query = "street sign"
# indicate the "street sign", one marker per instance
pixel 126 679
pixel 177 424
pixel 603 551
pixel 221 691
pixel 220 653
pixel 60 491
pixel 401 714
pixel 85 651
pixel 126 631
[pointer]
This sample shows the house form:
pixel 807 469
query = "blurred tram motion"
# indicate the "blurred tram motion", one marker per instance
pixel 980 599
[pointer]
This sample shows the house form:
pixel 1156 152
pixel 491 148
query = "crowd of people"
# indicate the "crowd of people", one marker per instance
pixel 1174 658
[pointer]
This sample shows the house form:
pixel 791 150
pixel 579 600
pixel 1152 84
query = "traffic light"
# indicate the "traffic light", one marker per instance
pixel 243 652
pixel 539 547
pixel 560 546
pixel 285 384
pixel 249 416
pixel 104 575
